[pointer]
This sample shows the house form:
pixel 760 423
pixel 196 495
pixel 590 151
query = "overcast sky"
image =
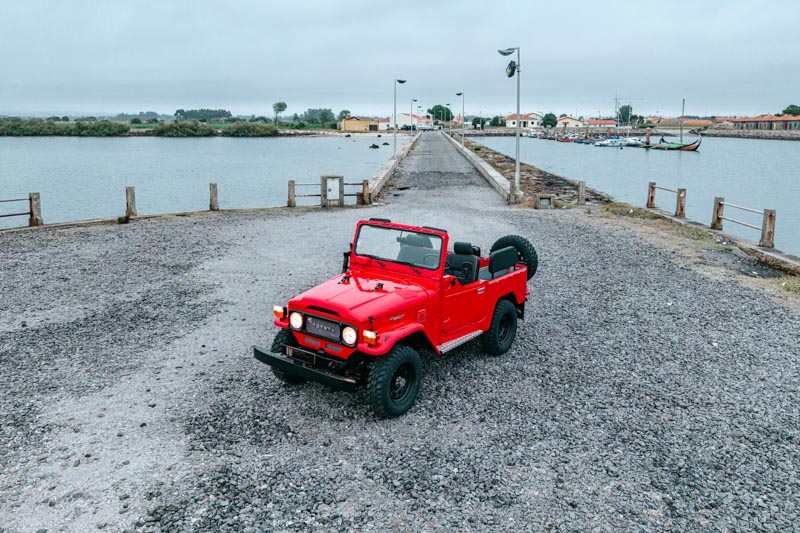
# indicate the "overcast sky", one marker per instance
pixel 105 57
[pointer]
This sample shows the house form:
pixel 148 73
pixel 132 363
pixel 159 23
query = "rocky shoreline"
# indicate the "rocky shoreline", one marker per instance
pixel 779 135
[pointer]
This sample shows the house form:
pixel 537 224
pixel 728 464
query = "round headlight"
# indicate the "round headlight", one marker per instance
pixel 296 320
pixel 350 336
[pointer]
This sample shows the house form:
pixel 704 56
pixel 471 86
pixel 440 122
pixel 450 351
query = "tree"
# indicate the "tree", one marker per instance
pixel 497 121
pixel 326 115
pixel 793 110
pixel 625 113
pixel 343 114
pixel 295 118
pixel 278 107
pixel 441 113
pixel 562 115
pixel 549 120
pixel 199 114
pixel 54 119
pixel 136 120
pixel 64 119
pixel 478 121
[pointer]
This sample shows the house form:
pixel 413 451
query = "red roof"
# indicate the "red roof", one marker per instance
pixel 696 122
pixel 601 122
pixel 767 118
pixel 526 116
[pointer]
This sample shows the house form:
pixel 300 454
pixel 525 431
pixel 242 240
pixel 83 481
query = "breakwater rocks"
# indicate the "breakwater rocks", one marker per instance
pixel 778 135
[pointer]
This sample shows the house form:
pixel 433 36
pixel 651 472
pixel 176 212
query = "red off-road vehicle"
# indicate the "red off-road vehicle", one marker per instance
pixel 400 291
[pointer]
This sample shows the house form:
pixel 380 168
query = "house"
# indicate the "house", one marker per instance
pixel 528 120
pixel 696 123
pixel 768 122
pixel 356 124
pixel 600 123
pixel 383 124
pixel 404 120
pixel 723 123
pixel 569 122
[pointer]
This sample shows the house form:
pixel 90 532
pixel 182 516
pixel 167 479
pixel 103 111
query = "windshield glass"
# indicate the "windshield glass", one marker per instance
pixel 421 250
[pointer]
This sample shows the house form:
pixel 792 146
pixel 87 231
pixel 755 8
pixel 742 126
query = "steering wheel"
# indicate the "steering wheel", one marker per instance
pixel 433 262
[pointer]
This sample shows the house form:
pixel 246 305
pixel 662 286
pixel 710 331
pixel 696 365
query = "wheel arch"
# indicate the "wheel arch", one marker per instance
pixel 512 297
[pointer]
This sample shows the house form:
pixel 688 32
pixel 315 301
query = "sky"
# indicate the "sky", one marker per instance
pixel 104 57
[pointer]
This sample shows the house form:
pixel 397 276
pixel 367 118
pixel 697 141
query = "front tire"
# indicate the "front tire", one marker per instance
pixel 284 338
pixel 498 339
pixel 394 381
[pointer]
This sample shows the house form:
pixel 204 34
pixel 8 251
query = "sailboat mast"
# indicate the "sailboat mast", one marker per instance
pixel 683 113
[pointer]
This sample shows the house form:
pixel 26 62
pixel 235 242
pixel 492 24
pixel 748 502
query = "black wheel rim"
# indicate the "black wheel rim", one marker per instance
pixel 402 382
pixel 504 331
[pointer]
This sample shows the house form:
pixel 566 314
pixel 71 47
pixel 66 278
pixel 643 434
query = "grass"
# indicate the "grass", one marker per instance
pixel 627 210
pixel 790 284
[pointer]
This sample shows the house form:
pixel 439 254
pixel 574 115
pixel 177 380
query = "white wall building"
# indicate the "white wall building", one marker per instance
pixel 404 119
pixel 528 120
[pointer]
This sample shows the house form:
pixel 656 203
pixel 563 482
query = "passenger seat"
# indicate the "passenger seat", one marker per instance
pixel 500 261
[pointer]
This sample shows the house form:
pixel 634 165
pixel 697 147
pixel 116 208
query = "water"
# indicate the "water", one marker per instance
pixel 748 172
pixel 84 178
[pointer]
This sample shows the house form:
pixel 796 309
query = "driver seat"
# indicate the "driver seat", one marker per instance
pixel 463 263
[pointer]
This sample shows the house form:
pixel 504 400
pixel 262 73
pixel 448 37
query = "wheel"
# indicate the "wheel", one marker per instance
pixel 525 251
pixel 498 339
pixel 393 382
pixel 284 337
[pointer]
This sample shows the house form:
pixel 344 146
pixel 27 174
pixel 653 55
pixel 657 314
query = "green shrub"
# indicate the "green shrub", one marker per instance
pixel 38 127
pixel 184 128
pixel 136 120
pixel 250 129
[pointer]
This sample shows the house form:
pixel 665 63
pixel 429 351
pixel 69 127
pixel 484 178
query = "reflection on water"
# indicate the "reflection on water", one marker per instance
pixel 753 173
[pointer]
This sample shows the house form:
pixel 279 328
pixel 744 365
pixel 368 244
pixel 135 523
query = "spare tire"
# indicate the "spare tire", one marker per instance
pixel 525 251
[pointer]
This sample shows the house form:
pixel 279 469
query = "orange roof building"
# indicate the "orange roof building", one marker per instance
pixel 768 122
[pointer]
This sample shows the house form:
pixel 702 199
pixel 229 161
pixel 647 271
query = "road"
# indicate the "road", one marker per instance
pixel 651 385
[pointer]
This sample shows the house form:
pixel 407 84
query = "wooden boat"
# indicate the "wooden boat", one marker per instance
pixel 690 147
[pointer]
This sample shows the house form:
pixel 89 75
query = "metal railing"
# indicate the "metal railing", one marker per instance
pixel 680 203
pixel 767 227
pixel 34 212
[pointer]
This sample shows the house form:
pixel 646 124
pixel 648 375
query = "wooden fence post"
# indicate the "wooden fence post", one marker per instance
pixel 581 192
pixel 680 204
pixel 291 202
pixel 651 195
pixel 365 199
pixel 130 202
pixel 716 216
pixel 341 191
pixel 323 191
pixel 768 229
pixel 35 203
pixel 213 204
pixel 512 192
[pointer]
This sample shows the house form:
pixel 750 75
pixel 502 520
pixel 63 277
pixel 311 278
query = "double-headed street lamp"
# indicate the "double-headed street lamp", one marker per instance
pixel 395 112
pixel 462 118
pixel 512 69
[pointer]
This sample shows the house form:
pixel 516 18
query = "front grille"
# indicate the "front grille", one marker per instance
pixel 319 327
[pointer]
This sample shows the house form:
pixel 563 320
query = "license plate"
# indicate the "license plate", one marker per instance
pixel 300 355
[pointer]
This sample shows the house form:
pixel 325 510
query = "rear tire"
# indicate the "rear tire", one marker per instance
pixel 394 381
pixel 284 338
pixel 498 339
pixel 526 253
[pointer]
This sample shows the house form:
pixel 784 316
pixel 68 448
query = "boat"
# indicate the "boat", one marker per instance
pixel 611 143
pixel 684 147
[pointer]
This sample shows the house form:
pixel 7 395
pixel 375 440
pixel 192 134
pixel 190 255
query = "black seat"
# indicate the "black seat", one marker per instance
pixel 415 248
pixel 462 263
pixel 500 262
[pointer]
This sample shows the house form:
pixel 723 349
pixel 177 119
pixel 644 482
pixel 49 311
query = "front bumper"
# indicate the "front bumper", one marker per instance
pixel 298 368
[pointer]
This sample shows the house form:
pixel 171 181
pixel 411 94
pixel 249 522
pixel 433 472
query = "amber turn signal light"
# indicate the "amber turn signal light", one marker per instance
pixel 371 337
pixel 279 312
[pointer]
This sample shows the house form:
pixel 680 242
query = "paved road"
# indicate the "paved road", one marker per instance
pixel 640 393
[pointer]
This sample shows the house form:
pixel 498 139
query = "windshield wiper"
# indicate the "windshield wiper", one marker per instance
pixel 381 263
pixel 410 266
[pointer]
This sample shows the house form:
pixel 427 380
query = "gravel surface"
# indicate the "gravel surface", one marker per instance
pixel 640 394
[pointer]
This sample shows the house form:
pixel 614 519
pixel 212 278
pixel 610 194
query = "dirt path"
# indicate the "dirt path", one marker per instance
pixel 642 392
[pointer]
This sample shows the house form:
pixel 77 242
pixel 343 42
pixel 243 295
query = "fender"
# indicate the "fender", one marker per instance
pixel 387 340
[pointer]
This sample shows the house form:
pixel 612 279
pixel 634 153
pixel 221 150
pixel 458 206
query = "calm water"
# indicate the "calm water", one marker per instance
pixel 747 172
pixel 85 178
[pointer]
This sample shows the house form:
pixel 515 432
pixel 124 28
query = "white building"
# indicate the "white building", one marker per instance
pixel 569 122
pixel 528 120
pixel 404 119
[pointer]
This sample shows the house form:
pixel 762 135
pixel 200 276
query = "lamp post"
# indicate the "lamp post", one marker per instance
pixel 411 114
pixel 462 118
pixel 512 69
pixel 394 116
pixel 450 119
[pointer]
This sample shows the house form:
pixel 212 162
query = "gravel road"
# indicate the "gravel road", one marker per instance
pixel 640 393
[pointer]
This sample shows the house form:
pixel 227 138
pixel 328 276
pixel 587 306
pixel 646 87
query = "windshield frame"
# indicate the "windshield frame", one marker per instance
pixel 405 230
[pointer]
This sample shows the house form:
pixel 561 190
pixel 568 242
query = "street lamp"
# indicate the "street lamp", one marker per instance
pixel 450 119
pixel 512 69
pixel 411 114
pixel 462 118
pixel 395 112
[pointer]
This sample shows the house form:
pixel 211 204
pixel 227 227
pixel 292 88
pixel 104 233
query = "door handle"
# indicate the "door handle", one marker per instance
pixel 480 291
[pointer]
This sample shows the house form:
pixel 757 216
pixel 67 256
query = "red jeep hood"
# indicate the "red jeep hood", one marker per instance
pixel 357 299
